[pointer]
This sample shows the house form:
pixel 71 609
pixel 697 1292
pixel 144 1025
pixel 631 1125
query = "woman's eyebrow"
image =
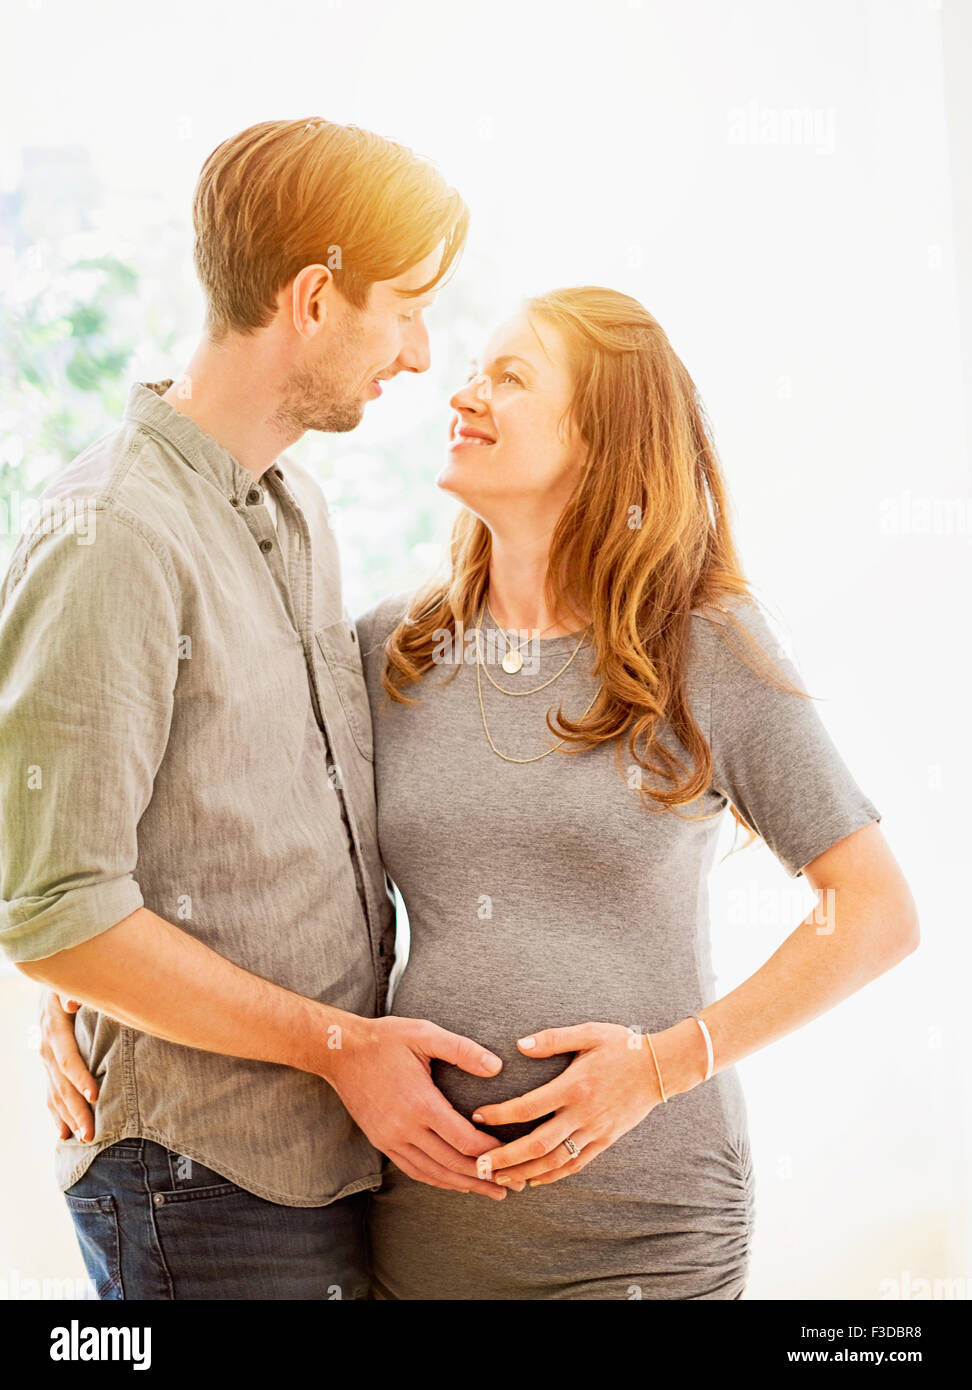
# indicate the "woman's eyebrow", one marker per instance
pixel 508 358
pixel 498 364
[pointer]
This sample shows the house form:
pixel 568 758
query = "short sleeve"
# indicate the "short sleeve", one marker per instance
pixel 89 654
pixel 772 755
pixel 376 625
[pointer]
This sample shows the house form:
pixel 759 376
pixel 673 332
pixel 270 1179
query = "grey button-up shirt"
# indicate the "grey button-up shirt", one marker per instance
pixel 184 725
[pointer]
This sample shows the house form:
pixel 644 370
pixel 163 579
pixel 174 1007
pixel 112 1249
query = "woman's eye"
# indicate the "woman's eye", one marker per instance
pixel 512 376
pixel 407 318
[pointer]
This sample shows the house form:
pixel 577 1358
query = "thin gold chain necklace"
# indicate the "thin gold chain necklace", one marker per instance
pixel 482 708
pixel 512 660
pixel 535 688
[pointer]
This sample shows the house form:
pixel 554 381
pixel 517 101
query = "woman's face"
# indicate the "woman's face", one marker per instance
pixel 511 453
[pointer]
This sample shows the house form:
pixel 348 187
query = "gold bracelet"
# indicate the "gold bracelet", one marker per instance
pixel 661 1084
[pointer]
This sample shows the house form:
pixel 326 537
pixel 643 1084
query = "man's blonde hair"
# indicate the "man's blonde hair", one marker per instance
pixel 285 194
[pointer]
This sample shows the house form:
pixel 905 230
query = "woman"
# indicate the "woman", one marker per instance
pixel 558 724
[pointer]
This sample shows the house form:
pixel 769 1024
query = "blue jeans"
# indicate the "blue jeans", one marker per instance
pixel 153 1224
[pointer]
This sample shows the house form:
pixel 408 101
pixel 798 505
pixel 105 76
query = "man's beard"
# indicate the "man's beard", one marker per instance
pixel 311 403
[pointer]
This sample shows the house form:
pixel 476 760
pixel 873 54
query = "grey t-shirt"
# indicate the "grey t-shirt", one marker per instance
pixel 546 894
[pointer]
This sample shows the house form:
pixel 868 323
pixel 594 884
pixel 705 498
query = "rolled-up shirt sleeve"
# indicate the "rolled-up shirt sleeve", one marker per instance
pixel 89 654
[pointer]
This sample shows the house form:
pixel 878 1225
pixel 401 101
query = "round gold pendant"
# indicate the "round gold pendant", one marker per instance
pixel 512 662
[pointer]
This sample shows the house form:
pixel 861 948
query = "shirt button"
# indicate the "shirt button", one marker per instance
pixel 158 1199
pixel 253 496
pixel 234 502
pixel 266 545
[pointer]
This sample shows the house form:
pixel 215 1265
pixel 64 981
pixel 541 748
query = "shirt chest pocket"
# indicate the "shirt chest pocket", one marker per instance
pixel 342 658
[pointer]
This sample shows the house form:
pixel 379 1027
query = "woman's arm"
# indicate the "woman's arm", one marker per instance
pixel 865 922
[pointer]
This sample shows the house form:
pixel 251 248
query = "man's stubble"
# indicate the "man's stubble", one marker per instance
pixel 326 396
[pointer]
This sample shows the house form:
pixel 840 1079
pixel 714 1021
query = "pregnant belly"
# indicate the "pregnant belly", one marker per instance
pixel 495 1024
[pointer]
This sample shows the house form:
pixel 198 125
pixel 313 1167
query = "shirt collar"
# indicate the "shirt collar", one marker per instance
pixel 200 450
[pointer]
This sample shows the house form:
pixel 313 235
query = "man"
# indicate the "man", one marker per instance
pixel 188 834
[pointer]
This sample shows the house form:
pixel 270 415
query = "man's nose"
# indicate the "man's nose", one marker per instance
pixel 415 355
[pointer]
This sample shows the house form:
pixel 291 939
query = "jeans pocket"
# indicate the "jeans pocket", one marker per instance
pixel 96 1223
pixel 190 1180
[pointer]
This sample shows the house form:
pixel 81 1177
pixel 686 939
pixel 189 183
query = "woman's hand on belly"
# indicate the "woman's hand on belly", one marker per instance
pixel 609 1087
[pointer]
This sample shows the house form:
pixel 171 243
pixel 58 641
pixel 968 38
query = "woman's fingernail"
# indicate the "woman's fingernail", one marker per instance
pixel 502 1180
pixel 87 1095
pixel 477 1117
pixel 484 1167
pixel 490 1062
pixel 528 1042
pixel 535 1183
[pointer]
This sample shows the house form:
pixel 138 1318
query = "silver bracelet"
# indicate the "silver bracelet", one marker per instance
pixel 709 1057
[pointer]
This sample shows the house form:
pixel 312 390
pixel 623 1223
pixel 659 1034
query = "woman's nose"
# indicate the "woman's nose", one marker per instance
pixel 475 395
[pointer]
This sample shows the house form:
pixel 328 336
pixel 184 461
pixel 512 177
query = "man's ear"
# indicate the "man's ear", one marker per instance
pixel 310 292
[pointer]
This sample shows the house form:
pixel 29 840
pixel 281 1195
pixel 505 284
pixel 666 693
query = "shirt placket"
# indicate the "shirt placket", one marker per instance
pixel 295 579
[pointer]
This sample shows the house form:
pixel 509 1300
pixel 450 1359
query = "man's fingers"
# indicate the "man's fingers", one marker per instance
pixel 436 1175
pixel 69 1005
pixel 57 1107
pixel 73 1107
pixel 443 1153
pixel 532 1105
pixel 69 1083
pixel 535 1147
pixel 461 1052
pixel 455 1129
pixel 402 1161
pixel 70 1064
pixel 410 1160
pixel 63 1130
pixel 63 1045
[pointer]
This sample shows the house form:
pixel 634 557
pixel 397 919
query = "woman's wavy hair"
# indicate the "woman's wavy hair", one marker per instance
pixel 643 540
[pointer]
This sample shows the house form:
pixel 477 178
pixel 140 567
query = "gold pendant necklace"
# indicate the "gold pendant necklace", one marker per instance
pixel 482 708
pixel 512 669
pixel 512 660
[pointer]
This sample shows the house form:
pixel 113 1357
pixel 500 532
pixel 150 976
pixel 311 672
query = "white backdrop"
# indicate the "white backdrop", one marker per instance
pixel 779 184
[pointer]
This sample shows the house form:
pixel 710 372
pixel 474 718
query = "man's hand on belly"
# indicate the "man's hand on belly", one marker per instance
pixel 382 1072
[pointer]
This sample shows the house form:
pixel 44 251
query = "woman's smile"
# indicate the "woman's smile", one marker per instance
pixel 468 435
